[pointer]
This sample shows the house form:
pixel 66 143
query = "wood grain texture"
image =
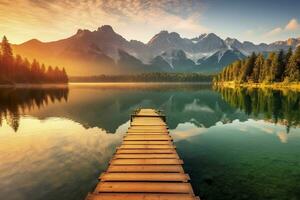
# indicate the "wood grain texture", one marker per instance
pixel 140 196
pixel 146 166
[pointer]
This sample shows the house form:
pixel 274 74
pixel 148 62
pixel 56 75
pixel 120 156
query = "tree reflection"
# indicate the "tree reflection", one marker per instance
pixel 14 102
pixel 277 106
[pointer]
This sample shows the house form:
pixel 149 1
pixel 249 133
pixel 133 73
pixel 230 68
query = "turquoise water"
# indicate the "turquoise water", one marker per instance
pixel 236 144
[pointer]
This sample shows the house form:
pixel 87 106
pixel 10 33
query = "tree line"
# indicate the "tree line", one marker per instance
pixel 147 77
pixel 277 67
pixel 15 69
pixel 16 102
pixel 273 105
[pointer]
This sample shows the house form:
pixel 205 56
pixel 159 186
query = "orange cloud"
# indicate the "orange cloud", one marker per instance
pixel 135 19
pixel 292 25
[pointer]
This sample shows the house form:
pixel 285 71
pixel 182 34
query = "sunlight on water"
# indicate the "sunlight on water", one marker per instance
pixel 55 153
pixel 236 144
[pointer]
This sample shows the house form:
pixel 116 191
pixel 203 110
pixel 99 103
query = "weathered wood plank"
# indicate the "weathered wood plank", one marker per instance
pixel 148 130
pixel 146 165
pixel 144 151
pixel 148 155
pixel 150 161
pixel 164 177
pixel 148 142
pixel 151 187
pixel 125 146
pixel 140 196
pixel 147 127
pixel 147 137
pixel 146 168
pixel 147 133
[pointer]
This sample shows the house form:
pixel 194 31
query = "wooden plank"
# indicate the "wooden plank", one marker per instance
pixel 169 142
pixel 145 151
pixel 145 168
pixel 148 119
pixel 164 177
pixel 147 133
pixel 147 127
pixel 151 187
pixel 148 123
pixel 150 161
pixel 125 146
pixel 147 137
pixel 140 196
pixel 149 155
pixel 147 130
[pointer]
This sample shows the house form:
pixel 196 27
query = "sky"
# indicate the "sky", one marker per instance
pixel 48 20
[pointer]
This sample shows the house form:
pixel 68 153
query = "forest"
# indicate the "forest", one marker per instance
pixel 15 69
pixel 278 106
pixel 147 77
pixel 276 67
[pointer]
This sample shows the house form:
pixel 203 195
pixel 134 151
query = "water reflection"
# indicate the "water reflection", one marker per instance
pixel 276 106
pixel 17 101
pixel 229 139
pixel 107 106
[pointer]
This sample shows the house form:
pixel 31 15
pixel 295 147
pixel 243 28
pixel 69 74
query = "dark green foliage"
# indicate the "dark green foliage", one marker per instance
pixel 15 69
pixel 277 67
pixel 247 68
pixel 147 77
pixel 293 67
pixel 278 106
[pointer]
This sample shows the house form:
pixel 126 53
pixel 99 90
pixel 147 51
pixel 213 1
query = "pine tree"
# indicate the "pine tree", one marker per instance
pixel 7 58
pixel 293 68
pixel 274 67
pixel 248 68
pixel 258 66
pixel 65 76
pixel 19 70
pixel 286 61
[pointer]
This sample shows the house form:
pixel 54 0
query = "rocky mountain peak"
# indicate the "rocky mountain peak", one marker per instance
pixel 106 29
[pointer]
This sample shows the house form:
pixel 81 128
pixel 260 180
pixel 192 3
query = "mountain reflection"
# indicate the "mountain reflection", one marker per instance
pixel 108 106
pixel 276 106
pixel 18 101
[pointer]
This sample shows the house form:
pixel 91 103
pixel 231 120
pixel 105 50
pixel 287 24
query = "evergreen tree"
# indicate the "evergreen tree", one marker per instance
pixel 19 70
pixel 258 65
pixel 280 66
pixel 248 68
pixel 293 68
pixel 7 58
pixel 277 67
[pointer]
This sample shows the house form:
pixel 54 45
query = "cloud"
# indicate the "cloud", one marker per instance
pixel 283 137
pixel 135 19
pixel 292 25
pixel 274 31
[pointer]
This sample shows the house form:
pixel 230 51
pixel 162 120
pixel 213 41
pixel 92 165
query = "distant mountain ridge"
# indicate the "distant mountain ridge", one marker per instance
pixel 104 51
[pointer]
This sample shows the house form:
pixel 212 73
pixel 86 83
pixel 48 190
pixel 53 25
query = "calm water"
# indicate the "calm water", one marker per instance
pixel 236 144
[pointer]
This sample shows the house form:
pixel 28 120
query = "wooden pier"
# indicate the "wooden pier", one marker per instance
pixel 146 166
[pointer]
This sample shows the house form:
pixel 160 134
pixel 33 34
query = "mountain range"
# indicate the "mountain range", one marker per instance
pixel 104 51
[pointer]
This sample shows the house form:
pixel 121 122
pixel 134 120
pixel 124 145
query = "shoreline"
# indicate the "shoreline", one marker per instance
pixel 275 86
pixel 30 85
pixel 20 85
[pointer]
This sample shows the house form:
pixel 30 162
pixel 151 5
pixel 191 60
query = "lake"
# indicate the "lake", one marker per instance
pixel 236 143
